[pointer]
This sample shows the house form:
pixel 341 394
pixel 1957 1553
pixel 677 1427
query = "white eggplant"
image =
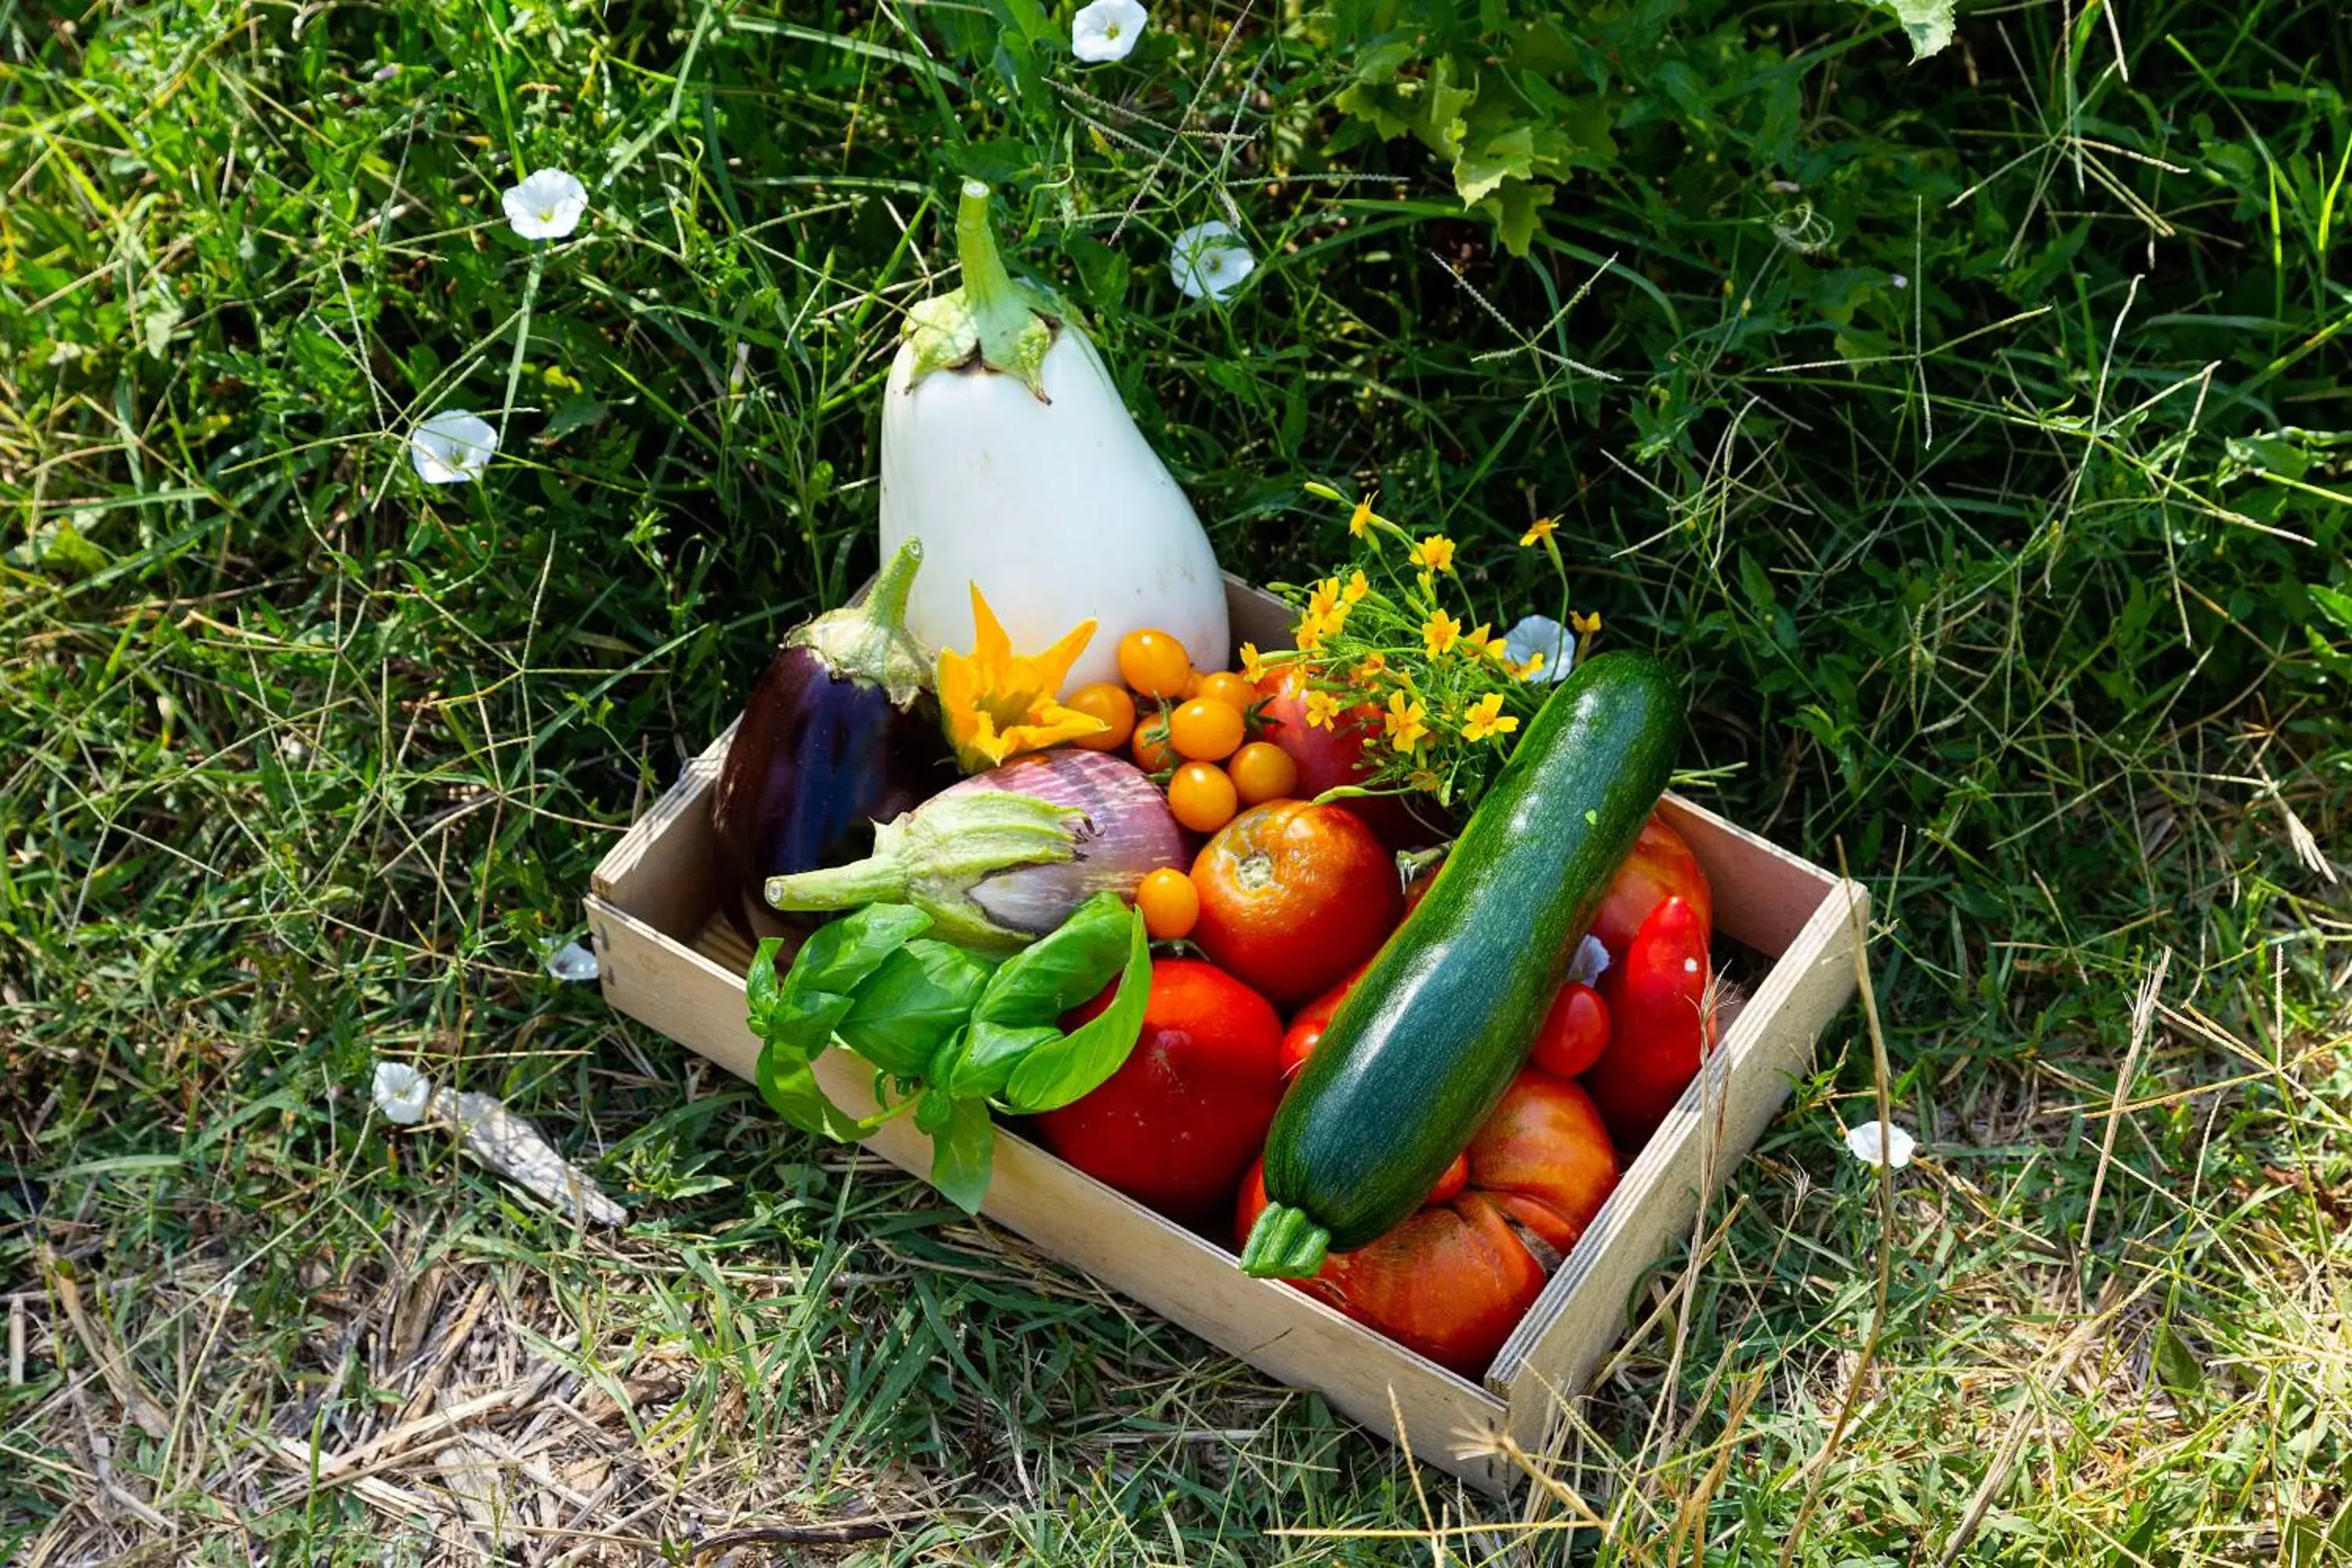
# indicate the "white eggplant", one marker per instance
pixel 1005 449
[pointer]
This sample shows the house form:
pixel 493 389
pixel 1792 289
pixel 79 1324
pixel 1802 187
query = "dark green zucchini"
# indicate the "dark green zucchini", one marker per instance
pixel 1422 1049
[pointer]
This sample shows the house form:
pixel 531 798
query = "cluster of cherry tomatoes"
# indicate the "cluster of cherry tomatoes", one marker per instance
pixel 1195 727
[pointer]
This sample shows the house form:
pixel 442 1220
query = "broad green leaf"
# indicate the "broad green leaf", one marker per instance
pixel 962 1153
pixel 2176 1364
pixel 1481 171
pixel 908 1007
pixel 989 1055
pixel 2333 603
pixel 1929 23
pixel 1061 1070
pixel 1058 972
pixel 1514 209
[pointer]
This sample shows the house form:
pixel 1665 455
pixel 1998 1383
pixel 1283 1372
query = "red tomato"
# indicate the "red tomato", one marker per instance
pixel 1455 1278
pixel 1181 1119
pixel 1574 1033
pixel 1661 867
pixel 1657 996
pixel 1293 896
pixel 1330 757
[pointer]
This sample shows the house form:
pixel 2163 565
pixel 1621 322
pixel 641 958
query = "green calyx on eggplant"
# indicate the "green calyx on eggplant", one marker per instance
pixel 838 735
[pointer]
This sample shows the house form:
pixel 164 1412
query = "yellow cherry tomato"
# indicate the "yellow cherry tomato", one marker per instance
pixel 1205 732
pixel 1113 706
pixel 1263 771
pixel 1152 754
pixel 1169 902
pixel 1229 689
pixel 1191 686
pixel 1154 663
pixel 1201 796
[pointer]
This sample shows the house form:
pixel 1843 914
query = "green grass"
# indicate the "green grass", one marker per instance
pixel 2020 581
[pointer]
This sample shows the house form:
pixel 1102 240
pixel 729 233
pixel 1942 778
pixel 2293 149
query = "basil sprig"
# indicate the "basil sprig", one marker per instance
pixel 949 1035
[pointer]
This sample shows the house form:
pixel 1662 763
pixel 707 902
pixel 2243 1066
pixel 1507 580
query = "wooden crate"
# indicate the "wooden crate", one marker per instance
pixel 668 962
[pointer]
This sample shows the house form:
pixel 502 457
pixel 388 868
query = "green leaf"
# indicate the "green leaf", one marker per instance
pixel 2333 603
pixel 986 1056
pixel 1058 972
pixel 2176 1364
pixel 1059 1071
pixel 1514 210
pixel 1929 23
pixel 795 1018
pixel 1480 171
pixel 962 1153
pixel 911 1006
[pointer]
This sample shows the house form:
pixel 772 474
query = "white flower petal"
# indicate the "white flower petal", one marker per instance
pixel 1210 258
pixel 1875 1143
pixel 1107 30
pixel 571 961
pixel 548 204
pixel 1541 635
pixel 402 1092
pixel 452 447
pixel 1590 962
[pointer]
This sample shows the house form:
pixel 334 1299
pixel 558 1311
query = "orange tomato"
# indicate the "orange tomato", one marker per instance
pixel 1263 771
pixel 1169 902
pixel 1201 796
pixel 1154 663
pixel 1113 706
pixel 1152 753
pixel 1204 730
pixel 1228 689
pixel 1191 687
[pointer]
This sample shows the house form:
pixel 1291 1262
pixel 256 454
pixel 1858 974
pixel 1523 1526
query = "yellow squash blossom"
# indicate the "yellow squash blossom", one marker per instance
pixel 1434 553
pixel 998 704
pixel 1439 631
pixel 1486 719
pixel 1322 710
pixel 1538 530
pixel 1403 722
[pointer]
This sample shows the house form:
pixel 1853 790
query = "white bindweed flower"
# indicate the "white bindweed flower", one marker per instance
pixel 1107 30
pixel 402 1092
pixel 1210 258
pixel 549 204
pixel 1590 962
pixel 571 961
pixel 1876 1144
pixel 452 447
pixel 1541 635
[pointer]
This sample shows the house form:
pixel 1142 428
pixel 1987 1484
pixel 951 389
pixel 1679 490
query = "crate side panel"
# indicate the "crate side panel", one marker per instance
pixel 664 870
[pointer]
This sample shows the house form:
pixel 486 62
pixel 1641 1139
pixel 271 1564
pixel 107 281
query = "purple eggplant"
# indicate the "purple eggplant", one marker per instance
pixel 838 735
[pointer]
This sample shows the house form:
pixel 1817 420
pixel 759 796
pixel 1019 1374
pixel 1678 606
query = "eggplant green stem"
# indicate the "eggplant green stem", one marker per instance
pixel 934 856
pixel 992 322
pixel 1285 1243
pixel 869 641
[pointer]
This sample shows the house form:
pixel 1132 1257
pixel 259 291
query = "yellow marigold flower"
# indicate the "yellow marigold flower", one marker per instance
pixel 1526 671
pixel 1356 589
pixel 1538 530
pixel 1483 640
pixel 1322 710
pixel 997 704
pixel 1253 663
pixel 1434 553
pixel 1310 632
pixel 1361 523
pixel 1582 625
pixel 1403 722
pixel 1324 598
pixel 1423 780
pixel 1367 672
pixel 1439 631
pixel 1486 718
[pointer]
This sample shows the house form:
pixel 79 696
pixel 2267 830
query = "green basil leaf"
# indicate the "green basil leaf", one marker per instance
pixel 793 1092
pixel 933 1111
pixel 992 1054
pixel 1059 1071
pixel 841 953
pixel 905 1010
pixel 962 1153
pixel 795 1018
pixel 760 986
pixel 1061 969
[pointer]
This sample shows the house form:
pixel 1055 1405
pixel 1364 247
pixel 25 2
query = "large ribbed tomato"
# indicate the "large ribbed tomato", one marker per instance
pixel 1455 1278
pixel 1293 896
pixel 1183 1117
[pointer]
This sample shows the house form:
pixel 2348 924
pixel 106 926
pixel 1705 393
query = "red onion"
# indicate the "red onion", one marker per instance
pixel 1002 858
